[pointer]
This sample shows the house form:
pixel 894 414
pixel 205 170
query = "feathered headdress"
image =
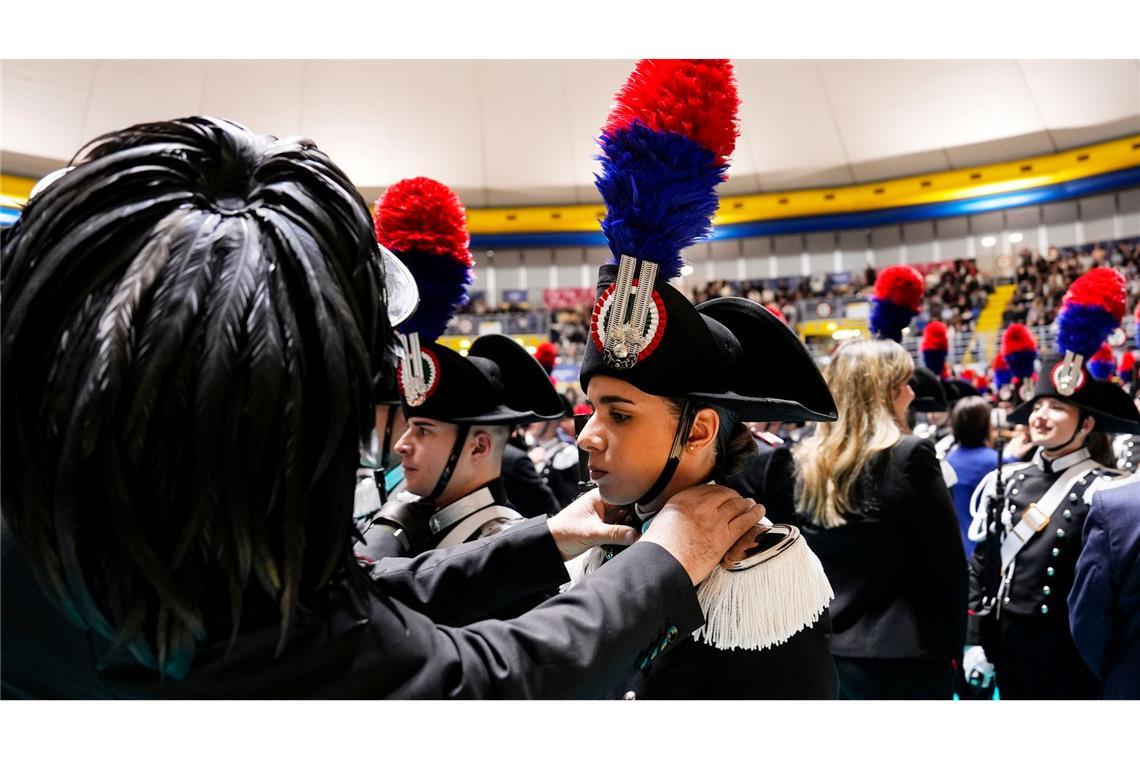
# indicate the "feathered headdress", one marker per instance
pixel 897 299
pixel 1127 365
pixel 1020 350
pixel 1002 374
pixel 423 223
pixel 1092 308
pixel 547 355
pixel 665 148
pixel 1102 364
pixel 934 347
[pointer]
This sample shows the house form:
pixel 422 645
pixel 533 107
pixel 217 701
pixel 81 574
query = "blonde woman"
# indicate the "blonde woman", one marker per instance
pixel 876 511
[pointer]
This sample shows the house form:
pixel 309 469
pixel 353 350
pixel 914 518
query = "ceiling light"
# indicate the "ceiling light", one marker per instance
pixel 1016 237
pixel 686 270
pixel 988 241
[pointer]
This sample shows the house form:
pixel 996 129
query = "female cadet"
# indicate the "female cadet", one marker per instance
pixel 1020 622
pixel 877 511
pixel 671 384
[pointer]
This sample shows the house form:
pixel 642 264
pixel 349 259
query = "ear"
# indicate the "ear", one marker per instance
pixel 1088 424
pixel 703 432
pixel 482 444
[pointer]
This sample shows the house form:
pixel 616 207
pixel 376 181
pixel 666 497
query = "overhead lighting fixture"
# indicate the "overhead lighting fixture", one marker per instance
pixel 989 241
pixel 686 270
pixel 1016 237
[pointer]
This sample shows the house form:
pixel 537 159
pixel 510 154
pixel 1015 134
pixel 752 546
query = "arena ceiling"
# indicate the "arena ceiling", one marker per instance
pixel 522 132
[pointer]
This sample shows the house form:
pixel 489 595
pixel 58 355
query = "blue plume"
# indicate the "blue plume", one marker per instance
pixel 442 282
pixel 1002 377
pixel 935 360
pixel 1021 362
pixel 660 194
pixel 889 318
pixel 1081 329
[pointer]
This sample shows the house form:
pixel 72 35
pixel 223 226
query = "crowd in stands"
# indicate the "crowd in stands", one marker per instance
pixel 956 291
pixel 1042 280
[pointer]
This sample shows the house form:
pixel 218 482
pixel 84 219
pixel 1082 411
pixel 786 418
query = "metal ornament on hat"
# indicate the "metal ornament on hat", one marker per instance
pixel 626 325
pixel 1068 375
pixel 419 371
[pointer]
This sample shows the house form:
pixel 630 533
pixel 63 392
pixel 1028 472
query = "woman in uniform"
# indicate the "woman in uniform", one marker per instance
pixel 671 385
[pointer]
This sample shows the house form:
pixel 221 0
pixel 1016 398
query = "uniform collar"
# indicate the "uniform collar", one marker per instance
pixel 1062 464
pixel 480 498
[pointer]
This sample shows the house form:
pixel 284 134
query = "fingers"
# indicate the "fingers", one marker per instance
pixel 746 520
pixel 622 535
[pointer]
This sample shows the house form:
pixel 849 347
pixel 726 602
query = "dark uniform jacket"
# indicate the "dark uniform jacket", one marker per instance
pixel 771 480
pixel 398 643
pixel 1030 643
pixel 897 565
pixel 1104 605
pixel 525 489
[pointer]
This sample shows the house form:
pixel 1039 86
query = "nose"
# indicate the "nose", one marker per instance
pixel 590 439
pixel 403 445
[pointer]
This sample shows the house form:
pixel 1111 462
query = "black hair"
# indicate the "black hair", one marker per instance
pixel 735 448
pixel 970 421
pixel 192 320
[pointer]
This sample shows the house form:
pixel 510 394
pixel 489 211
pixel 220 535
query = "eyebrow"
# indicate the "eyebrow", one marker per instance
pixel 615 400
pixel 423 424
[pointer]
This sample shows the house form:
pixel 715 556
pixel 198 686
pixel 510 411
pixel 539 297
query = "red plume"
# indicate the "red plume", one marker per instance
pixel 901 285
pixel 1100 287
pixel 1017 337
pixel 1000 362
pixel 775 310
pixel 546 353
pixel 425 216
pixel 696 99
pixel 934 337
pixel 1103 354
pixel 1127 362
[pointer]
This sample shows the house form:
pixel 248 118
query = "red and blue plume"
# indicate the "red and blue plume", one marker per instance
pixel 665 148
pixel 1127 366
pixel 1092 308
pixel 423 222
pixel 1002 374
pixel 1102 364
pixel 1019 349
pixel 898 296
pixel 934 346
pixel 1136 316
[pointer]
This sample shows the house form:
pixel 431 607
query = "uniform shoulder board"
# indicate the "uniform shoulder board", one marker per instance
pixel 1103 478
pixel 565 458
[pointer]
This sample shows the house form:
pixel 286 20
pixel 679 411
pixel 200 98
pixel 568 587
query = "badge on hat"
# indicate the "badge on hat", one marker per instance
pixel 629 318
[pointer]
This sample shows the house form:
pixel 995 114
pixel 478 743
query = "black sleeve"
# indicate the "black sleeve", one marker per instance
pixel 525 490
pixel 939 543
pixel 475 580
pixel 583 643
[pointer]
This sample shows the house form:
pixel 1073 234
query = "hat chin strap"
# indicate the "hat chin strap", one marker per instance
pixel 684 424
pixel 1080 424
pixel 449 468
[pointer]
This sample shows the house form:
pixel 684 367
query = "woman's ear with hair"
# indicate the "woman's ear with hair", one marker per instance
pixel 705 427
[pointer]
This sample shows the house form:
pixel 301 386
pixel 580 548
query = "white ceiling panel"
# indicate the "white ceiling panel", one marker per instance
pixel 44 104
pixel 1078 93
pixel 887 108
pixel 519 132
pixel 263 95
pixel 132 92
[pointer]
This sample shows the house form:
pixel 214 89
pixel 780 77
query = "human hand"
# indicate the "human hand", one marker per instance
pixel 979 671
pixel 589 521
pixel 699 525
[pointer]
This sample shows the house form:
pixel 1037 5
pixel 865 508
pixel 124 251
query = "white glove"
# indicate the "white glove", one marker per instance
pixel 979 671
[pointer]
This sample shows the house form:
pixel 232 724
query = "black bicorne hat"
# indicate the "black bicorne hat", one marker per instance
pixel 497 383
pixel 728 352
pixel 929 393
pixel 957 389
pixel 1104 401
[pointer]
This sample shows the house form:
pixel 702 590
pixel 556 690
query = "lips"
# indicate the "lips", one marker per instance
pixel 596 475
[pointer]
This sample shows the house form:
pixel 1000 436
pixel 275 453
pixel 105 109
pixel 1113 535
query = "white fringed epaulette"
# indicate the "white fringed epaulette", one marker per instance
pixel 757 608
pixel 764 605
